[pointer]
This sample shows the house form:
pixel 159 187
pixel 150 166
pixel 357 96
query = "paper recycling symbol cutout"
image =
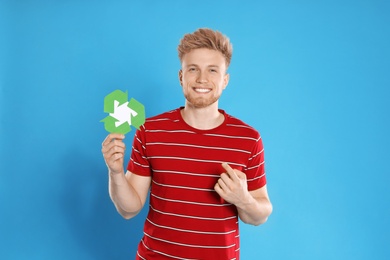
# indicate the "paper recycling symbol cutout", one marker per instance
pixel 122 113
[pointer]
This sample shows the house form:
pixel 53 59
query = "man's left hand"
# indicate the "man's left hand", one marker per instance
pixel 232 186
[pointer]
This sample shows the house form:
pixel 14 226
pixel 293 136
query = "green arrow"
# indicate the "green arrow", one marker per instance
pixel 139 119
pixel 109 125
pixel 117 95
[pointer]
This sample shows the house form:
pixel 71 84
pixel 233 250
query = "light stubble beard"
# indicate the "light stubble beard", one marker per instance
pixel 201 102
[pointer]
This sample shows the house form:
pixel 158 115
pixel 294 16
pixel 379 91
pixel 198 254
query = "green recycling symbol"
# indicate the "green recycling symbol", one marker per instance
pixel 122 113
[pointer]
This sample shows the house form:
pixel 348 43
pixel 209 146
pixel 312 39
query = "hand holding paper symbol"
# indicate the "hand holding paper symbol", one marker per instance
pixel 122 113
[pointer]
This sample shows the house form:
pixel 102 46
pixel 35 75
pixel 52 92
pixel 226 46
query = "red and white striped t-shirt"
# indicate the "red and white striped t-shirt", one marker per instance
pixel 187 219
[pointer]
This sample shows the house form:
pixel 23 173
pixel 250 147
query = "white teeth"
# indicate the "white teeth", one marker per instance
pixel 202 90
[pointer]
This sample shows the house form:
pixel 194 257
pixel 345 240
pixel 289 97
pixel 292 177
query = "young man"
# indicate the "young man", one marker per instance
pixel 203 167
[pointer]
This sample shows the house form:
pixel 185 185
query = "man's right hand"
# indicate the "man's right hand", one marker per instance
pixel 113 149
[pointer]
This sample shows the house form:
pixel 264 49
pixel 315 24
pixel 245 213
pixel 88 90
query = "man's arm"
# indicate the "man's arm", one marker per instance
pixel 257 208
pixel 128 191
pixel 254 207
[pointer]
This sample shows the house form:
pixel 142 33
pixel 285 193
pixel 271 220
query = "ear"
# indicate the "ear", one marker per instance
pixel 181 77
pixel 226 80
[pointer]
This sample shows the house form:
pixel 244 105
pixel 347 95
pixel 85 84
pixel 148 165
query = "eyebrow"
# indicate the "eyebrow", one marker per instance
pixel 209 66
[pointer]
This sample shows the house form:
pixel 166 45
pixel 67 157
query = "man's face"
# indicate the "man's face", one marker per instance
pixel 203 77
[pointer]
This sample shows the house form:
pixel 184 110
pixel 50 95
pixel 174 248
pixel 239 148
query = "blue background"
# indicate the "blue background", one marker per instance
pixel 311 76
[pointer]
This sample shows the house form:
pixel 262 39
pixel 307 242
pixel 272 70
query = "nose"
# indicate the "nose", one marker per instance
pixel 201 77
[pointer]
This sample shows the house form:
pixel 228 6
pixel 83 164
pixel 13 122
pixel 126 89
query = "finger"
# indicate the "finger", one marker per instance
pixel 110 137
pixel 218 189
pixel 222 184
pixel 112 148
pixel 115 157
pixel 226 179
pixel 113 143
pixel 113 151
pixel 240 174
pixel 116 149
pixel 114 154
pixel 229 170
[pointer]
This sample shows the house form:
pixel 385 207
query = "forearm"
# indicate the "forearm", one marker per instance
pixel 254 211
pixel 124 196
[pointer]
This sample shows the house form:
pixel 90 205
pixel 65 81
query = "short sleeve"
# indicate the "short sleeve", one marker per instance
pixel 255 170
pixel 139 163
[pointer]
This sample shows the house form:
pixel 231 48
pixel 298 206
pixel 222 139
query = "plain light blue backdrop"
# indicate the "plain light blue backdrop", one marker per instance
pixel 311 76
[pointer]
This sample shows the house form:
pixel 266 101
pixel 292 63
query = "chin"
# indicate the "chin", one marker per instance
pixel 201 103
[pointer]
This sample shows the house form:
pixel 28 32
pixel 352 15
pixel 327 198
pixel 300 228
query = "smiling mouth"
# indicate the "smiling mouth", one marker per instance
pixel 202 90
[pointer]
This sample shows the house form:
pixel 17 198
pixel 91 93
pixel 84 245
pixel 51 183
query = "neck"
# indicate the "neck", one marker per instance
pixel 202 118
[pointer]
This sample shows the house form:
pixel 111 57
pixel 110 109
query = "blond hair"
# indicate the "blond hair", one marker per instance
pixel 206 38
